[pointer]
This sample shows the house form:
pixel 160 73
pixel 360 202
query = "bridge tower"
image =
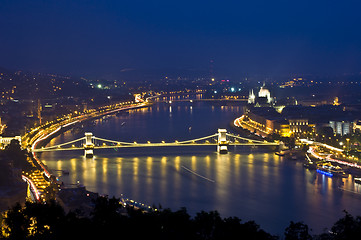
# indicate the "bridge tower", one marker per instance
pixel 222 147
pixel 89 145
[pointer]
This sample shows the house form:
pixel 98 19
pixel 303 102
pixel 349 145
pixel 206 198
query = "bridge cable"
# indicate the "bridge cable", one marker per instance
pixel 197 139
pixel 59 145
pixel 251 140
pixel 112 141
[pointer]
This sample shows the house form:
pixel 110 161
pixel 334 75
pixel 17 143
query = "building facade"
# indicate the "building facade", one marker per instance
pixel 267 121
pixel 298 126
pixel 262 99
pixel 342 127
pixel 4 141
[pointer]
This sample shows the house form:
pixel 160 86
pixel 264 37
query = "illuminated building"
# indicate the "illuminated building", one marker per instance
pixel 341 127
pixel 2 127
pixel 4 141
pixel 263 99
pixel 265 93
pixel 300 126
pixel 357 126
pixel 336 101
pixel 252 97
pixel 300 121
pixel 266 121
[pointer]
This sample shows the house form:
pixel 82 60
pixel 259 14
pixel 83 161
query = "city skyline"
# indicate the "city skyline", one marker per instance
pixel 180 120
pixel 141 39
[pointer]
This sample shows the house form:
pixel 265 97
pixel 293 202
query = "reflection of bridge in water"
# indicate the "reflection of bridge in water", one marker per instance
pixel 222 140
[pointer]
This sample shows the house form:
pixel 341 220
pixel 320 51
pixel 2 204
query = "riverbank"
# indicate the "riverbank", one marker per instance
pixel 41 135
pixel 248 182
pixel 60 127
pixel 353 167
pixel 350 167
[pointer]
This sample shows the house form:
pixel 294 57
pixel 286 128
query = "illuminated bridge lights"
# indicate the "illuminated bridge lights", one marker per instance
pixel 215 139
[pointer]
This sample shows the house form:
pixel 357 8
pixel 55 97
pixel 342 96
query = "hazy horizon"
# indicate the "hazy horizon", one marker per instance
pixel 140 39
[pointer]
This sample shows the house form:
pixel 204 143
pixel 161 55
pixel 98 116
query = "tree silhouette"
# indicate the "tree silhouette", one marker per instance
pixel 207 224
pixel 109 220
pixel 16 223
pixel 347 227
pixel 17 156
pixel 297 231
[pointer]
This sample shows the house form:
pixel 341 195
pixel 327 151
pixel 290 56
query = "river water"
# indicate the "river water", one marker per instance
pixel 250 183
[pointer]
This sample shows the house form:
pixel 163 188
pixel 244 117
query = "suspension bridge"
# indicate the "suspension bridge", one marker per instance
pixel 221 139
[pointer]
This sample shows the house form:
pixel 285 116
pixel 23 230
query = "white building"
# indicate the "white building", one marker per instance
pixel 265 93
pixel 263 98
pixel 4 141
pixel 251 97
pixel 341 127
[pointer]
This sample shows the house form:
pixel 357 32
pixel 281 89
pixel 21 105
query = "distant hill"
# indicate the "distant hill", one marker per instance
pixel 28 85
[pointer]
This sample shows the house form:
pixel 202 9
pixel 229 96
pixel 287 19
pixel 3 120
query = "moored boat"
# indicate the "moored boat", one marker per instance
pixel 330 170
pixel 280 153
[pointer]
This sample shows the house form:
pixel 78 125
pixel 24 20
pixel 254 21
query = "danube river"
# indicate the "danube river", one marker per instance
pixel 250 183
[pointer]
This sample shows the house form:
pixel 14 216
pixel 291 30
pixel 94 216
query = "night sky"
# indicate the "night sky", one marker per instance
pixel 113 38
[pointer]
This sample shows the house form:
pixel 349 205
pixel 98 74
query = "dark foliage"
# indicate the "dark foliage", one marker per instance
pixel 110 220
pixel 15 156
pixel 297 231
pixel 347 227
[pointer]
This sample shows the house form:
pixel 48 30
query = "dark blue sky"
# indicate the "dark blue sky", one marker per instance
pixel 114 37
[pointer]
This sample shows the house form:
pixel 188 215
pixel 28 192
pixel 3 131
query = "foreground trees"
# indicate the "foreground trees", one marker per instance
pixel 110 220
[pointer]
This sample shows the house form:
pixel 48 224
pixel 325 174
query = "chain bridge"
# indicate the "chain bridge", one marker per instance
pixel 221 139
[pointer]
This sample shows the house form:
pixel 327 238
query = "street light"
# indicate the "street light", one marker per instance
pixel 348 144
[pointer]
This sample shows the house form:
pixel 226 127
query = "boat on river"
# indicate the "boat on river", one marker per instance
pixel 330 170
pixel 281 153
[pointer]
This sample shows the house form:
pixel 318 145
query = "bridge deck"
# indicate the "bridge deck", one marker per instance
pixel 154 145
pixel 217 139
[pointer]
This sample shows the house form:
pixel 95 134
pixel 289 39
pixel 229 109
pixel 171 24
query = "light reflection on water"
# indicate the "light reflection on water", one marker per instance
pixel 251 183
pixel 259 186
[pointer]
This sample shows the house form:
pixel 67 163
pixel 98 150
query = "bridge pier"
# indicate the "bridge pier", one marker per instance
pixel 222 147
pixel 89 145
